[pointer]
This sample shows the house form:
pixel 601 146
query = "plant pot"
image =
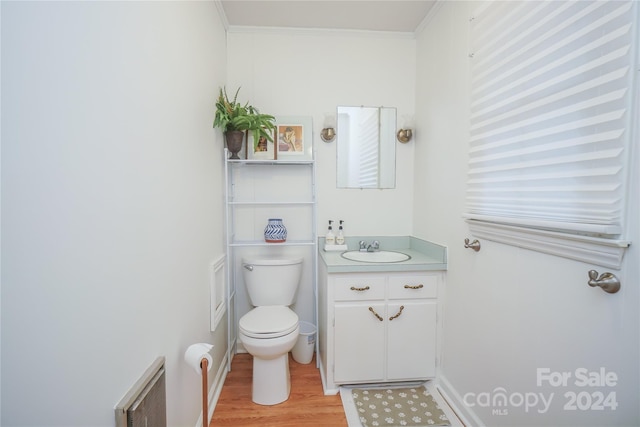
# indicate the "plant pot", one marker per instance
pixel 234 139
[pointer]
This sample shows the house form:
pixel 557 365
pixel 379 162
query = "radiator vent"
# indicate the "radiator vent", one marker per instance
pixel 145 405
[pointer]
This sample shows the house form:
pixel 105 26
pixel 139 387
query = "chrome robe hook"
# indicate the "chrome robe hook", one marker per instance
pixel 475 245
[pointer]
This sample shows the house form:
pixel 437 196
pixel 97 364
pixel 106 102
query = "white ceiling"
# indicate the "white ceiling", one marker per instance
pixel 366 15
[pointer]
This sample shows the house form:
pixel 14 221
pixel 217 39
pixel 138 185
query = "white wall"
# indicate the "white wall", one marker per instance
pixel 310 73
pixel 510 311
pixel 111 203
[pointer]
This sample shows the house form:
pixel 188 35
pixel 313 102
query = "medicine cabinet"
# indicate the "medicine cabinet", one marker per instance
pixel 366 148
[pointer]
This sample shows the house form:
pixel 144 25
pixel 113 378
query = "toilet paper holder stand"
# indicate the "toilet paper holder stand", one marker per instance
pixel 197 356
pixel 204 364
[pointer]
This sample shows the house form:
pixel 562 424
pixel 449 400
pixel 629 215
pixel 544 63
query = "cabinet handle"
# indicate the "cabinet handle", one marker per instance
pixel 366 288
pixel 375 314
pixel 420 286
pixel 398 313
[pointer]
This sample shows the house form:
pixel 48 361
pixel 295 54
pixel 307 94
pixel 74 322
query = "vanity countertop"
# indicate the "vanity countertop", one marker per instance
pixel 425 255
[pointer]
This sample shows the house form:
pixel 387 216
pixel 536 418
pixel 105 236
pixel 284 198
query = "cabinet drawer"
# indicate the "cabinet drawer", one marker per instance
pixel 359 288
pixel 413 286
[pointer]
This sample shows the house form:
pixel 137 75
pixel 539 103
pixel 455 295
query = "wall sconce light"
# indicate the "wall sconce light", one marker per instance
pixel 404 135
pixel 328 133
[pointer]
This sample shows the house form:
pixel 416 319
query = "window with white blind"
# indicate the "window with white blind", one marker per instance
pixel 551 123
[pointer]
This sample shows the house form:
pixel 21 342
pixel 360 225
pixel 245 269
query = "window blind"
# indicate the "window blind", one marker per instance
pixel 551 87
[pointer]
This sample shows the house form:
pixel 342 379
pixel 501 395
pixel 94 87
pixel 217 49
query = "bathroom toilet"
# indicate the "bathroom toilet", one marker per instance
pixel 270 330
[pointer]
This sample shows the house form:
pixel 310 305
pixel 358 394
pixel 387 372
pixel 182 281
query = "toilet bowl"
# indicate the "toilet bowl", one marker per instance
pixel 270 330
pixel 268 333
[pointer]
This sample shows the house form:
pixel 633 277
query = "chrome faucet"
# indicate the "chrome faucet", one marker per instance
pixel 373 247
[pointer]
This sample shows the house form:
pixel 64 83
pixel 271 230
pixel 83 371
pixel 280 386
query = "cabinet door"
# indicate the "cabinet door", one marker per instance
pixel 411 340
pixel 359 342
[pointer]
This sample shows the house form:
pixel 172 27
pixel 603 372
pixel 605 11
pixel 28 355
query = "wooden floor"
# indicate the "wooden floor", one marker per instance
pixel 307 405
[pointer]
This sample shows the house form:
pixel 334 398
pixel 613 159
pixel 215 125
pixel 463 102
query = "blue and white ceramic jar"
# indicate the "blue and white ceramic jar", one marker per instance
pixel 275 231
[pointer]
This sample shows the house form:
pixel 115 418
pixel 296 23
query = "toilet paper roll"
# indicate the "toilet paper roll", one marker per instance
pixel 194 355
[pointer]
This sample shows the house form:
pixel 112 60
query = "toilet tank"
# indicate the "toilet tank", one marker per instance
pixel 271 281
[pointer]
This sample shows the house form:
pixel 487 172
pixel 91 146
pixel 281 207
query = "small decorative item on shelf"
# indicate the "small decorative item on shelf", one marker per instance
pixel 235 140
pixel 275 231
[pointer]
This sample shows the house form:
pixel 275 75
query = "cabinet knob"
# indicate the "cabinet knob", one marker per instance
pixel 376 314
pixel 420 286
pixel 366 288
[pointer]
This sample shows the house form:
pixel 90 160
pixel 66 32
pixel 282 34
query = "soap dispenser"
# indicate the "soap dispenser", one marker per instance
pixel 330 238
pixel 340 236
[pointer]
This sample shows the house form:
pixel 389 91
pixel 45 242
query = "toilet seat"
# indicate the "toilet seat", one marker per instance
pixel 269 322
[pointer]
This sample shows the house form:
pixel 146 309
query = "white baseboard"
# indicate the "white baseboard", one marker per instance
pixel 240 347
pixel 326 391
pixel 455 401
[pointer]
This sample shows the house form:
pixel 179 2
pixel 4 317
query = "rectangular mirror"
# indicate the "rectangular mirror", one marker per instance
pixel 366 151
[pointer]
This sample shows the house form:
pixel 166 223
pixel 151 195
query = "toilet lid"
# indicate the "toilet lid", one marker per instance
pixel 269 321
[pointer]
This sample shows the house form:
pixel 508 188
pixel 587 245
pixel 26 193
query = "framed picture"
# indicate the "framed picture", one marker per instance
pixel 263 149
pixel 294 138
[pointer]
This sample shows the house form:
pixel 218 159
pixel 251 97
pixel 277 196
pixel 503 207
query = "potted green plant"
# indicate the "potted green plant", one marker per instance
pixel 234 119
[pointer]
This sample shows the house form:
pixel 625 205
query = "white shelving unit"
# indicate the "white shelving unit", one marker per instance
pixel 256 190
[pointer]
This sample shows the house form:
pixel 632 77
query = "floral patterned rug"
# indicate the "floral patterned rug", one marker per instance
pixel 410 406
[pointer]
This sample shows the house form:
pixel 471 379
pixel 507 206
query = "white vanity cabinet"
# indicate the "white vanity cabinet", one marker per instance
pixel 378 327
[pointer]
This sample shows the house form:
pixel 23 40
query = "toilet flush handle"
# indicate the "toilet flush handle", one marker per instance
pixel 248 266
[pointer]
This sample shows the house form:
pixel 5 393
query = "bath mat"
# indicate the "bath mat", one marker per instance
pixel 393 407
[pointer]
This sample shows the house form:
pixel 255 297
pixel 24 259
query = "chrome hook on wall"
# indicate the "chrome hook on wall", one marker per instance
pixel 607 281
pixel 475 245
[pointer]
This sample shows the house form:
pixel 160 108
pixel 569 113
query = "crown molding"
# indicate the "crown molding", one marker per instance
pixel 430 15
pixel 319 32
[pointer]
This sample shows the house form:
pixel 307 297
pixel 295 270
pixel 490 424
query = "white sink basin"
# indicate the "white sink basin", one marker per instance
pixel 380 256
